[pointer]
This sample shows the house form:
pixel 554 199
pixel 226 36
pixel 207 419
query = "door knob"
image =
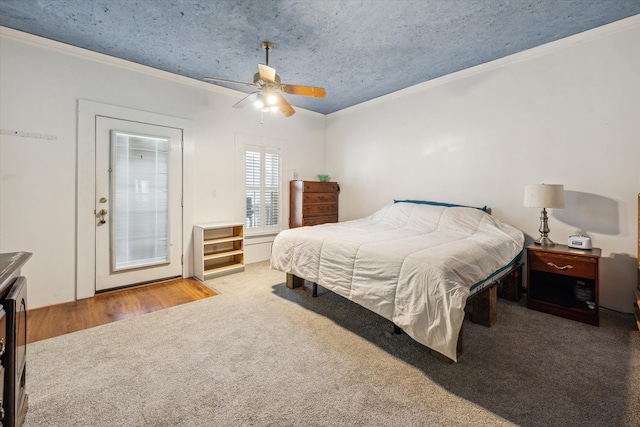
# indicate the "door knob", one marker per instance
pixel 101 215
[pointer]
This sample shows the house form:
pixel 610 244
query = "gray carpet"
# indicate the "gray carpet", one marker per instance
pixel 261 354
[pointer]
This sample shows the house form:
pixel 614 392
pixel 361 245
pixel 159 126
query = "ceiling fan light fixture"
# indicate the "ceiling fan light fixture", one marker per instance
pixel 272 99
pixel 269 96
pixel 259 102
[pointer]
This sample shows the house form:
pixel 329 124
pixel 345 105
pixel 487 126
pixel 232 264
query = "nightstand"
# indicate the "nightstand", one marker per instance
pixel 564 281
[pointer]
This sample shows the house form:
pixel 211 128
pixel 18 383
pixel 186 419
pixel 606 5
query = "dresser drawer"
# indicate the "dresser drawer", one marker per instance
pixel 317 220
pixel 566 265
pixel 319 209
pixel 320 187
pixel 320 197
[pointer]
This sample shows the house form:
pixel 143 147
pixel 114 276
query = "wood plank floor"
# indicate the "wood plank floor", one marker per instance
pixel 107 307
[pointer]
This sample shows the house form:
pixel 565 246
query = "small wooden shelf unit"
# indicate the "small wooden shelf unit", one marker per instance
pixel 218 249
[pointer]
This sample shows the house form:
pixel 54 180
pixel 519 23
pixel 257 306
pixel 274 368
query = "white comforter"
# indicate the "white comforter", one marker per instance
pixel 413 264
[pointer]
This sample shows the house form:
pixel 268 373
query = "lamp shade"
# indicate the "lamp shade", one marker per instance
pixel 544 196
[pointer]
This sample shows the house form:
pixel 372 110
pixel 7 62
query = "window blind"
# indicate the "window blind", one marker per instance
pixel 262 189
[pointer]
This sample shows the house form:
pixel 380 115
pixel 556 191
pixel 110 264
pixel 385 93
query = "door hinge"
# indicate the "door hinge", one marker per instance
pixel 182 259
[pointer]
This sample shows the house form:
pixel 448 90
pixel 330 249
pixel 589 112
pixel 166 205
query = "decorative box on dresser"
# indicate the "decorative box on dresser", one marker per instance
pixel 564 281
pixel 636 293
pixel 312 203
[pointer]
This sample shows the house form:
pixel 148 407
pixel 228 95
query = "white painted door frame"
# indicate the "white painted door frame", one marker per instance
pixel 108 276
pixel 85 182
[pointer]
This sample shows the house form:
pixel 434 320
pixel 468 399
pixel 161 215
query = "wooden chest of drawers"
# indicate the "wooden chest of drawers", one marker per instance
pixel 312 203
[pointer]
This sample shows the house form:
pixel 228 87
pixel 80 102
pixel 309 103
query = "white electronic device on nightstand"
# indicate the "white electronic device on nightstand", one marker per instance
pixel 579 242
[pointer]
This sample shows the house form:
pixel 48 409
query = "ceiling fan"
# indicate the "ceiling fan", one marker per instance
pixel 269 97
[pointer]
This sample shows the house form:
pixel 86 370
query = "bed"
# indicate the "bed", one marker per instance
pixel 415 264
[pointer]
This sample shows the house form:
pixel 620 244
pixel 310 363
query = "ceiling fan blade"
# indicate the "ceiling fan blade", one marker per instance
pixel 283 105
pixel 267 73
pixel 247 100
pixel 213 79
pixel 313 92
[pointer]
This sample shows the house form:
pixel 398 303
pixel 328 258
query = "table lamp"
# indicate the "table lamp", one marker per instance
pixel 544 196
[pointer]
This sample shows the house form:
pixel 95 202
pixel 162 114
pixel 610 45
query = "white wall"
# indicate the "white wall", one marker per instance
pixel 40 84
pixel 564 113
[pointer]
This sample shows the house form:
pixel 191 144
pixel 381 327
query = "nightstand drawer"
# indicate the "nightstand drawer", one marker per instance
pixel 566 265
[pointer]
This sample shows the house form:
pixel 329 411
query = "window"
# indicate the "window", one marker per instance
pixel 262 189
pixel 140 191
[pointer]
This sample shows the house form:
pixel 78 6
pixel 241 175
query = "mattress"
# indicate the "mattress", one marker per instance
pixel 414 264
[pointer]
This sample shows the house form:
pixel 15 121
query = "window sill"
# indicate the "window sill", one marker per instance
pixel 260 237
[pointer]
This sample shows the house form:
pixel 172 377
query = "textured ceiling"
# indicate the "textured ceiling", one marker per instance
pixel 356 49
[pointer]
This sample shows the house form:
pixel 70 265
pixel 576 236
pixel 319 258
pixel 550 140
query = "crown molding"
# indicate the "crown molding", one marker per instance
pixel 63 48
pixel 42 42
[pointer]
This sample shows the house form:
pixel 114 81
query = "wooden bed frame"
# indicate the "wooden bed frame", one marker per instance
pixel 483 304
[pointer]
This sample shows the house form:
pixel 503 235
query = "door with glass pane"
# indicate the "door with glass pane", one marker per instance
pixel 138 203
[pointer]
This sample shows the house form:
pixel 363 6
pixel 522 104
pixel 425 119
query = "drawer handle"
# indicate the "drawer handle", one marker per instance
pixel 566 267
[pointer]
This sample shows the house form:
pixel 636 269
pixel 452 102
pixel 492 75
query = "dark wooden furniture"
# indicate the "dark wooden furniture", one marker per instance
pixel 13 299
pixel 564 281
pixel 3 375
pixel 312 203
pixel 636 293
